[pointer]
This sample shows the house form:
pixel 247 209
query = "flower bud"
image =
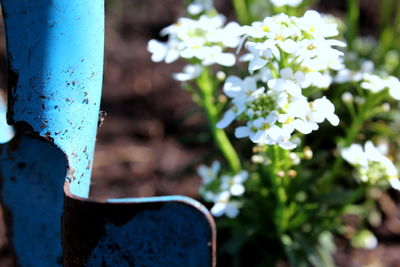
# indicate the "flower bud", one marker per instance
pixel 308 154
pixel 347 97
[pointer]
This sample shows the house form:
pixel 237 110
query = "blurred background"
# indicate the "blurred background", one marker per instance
pixel 153 137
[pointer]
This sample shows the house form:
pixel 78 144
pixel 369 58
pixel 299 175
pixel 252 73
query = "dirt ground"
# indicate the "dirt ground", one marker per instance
pixel 153 136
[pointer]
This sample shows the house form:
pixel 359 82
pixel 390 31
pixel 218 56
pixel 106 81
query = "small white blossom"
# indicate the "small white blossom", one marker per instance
pixel 189 72
pixel 205 39
pixel 373 83
pixel 209 174
pixel 324 109
pixel 371 164
pixel 199 6
pixel 234 184
pixel 225 206
pixel 394 87
pixel 289 82
pixel 260 54
pixel 163 52
pixel 313 23
pixel 241 92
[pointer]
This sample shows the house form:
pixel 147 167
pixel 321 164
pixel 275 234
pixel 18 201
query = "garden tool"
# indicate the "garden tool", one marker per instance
pixel 55 69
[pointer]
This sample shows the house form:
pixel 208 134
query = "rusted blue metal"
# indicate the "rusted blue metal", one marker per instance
pixel 55 56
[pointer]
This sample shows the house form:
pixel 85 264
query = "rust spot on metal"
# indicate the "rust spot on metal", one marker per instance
pixel 70 176
pixel 48 137
pixel 102 116
pixel 21 165
pixel 24 128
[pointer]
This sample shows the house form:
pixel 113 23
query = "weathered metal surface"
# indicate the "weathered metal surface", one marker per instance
pixel 154 232
pixel 55 54
pixel 55 60
pixel 6 132
pixel 32 195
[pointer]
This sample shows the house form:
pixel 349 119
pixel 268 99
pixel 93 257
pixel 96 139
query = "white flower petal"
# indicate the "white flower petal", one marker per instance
pixel 260 137
pixel 232 211
pixel 237 189
pixel 395 183
pixel 228 118
pixel 243 131
pixel 218 209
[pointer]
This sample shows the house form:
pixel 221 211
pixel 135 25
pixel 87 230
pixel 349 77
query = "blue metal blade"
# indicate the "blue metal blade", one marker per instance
pixel 156 232
pixel 32 194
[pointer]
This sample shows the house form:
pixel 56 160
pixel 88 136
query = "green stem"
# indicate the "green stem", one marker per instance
pixel 241 11
pixel 278 189
pixel 353 14
pixel 386 29
pixel 207 89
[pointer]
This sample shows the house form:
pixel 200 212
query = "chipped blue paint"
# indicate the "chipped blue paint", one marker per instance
pixel 55 53
pixel 55 57
pixel 6 131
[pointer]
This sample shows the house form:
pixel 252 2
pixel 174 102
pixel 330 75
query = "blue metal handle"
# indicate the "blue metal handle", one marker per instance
pixel 55 54
pixel 55 58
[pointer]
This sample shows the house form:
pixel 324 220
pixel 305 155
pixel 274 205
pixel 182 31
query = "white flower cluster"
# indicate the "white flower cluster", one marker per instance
pixel 371 79
pixel 289 54
pixel 203 41
pixel 221 191
pixel 371 164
